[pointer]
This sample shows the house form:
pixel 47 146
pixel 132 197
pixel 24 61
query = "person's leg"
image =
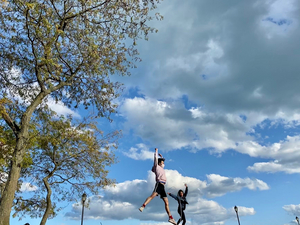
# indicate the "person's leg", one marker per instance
pixel 178 222
pixel 161 191
pixel 171 219
pixel 179 215
pixel 183 218
pixel 154 194
pixel 166 201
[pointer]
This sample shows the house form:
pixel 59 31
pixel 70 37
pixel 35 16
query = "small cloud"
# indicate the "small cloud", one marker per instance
pixel 292 209
pixel 27 187
pixel 60 108
pixel 140 153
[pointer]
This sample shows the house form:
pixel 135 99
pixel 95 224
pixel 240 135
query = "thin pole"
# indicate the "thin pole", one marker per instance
pixel 237 215
pixel 83 198
pixel 82 214
pixel 238 218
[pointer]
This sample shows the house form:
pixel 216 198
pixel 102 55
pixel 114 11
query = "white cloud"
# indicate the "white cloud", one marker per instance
pixel 60 108
pixel 224 39
pixel 285 153
pixel 171 126
pixel 27 187
pixel 139 153
pixel 220 185
pixel 120 203
pixel 292 209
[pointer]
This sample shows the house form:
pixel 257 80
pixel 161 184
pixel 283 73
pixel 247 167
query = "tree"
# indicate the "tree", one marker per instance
pixel 7 144
pixel 64 50
pixel 69 159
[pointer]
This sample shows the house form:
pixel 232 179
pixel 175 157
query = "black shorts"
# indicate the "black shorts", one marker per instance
pixel 160 189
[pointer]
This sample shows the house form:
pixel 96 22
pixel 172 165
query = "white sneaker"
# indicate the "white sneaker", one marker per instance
pixel 172 221
pixel 141 208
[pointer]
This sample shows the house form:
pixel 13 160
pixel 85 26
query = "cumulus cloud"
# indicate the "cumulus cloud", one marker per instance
pixel 27 187
pixel 140 153
pixel 60 108
pixel 292 209
pixel 120 203
pixel 237 56
pixel 205 213
pixel 172 126
pixel 285 153
pixel 239 62
pixel 220 185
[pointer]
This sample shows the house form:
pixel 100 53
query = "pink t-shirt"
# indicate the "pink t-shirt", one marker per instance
pixel 160 174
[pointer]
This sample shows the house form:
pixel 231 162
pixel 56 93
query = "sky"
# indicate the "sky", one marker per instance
pixel 217 92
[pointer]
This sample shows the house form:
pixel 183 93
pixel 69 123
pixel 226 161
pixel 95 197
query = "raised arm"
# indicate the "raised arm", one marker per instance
pixel 155 158
pixel 173 196
pixel 186 190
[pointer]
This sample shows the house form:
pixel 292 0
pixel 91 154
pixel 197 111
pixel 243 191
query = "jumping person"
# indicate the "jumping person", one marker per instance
pixel 159 189
pixel 181 198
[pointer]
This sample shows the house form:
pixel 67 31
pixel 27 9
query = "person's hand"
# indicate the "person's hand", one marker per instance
pixel 160 155
pixel 185 185
pixel 168 193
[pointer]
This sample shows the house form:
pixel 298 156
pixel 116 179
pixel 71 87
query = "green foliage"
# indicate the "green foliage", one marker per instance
pixel 71 157
pixel 69 48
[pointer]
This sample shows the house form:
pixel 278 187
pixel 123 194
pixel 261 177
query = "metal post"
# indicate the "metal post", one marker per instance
pixel 237 215
pixel 83 198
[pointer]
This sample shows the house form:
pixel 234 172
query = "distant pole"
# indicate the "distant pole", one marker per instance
pixel 83 198
pixel 237 215
pixel 297 220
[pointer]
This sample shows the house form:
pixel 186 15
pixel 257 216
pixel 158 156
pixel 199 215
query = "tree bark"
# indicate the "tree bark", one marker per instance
pixel 48 202
pixel 8 194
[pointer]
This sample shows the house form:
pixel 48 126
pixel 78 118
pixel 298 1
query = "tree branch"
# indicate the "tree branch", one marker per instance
pixel 85 11
pixel 9 120
pixel 38 76
pixel 52 3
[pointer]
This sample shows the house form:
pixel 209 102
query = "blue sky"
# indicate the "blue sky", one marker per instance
pixel 218 94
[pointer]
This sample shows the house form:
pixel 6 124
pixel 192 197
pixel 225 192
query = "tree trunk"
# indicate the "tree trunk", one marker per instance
pixel 8 194
pixel 48 201
pixel 11 185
